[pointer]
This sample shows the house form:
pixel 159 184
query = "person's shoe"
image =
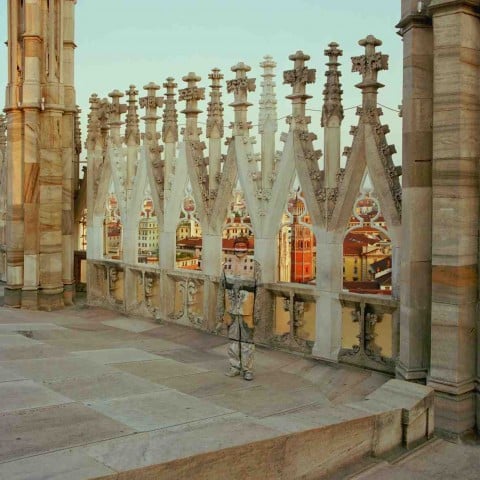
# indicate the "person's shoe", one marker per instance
pixel 233 372
pixel 248 376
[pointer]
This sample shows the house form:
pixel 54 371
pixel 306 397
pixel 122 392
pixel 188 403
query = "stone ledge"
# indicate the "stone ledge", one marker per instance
pixel 395 414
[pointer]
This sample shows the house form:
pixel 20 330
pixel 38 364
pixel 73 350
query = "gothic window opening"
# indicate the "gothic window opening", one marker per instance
pixel 148 234
pixel 296 243
pixel 112 228
pixel 189 241
pixel 237 227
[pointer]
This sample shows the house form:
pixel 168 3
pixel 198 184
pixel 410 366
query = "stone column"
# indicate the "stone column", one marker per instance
pixel 14 159
pixel 94 161
pixel 3 195
pixel 167 238
pixel 328 340
pixel 455 219
pixel 32 103
pixel 70 167
pixel 415 278
pixel 328 328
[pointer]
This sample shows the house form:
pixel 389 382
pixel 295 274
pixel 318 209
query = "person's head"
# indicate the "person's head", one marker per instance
pixel 240 247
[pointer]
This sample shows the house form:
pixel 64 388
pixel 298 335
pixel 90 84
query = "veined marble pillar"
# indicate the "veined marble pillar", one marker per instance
pixel 416 255
pixel 70 168
pixel 14 158
pixel 455 220
pixel 330 244
pixel 31 105
pixel 328 328
pixel 51 163
pixel 40 153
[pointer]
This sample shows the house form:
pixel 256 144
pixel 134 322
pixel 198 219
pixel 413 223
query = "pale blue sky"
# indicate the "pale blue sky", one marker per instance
pixel 121 42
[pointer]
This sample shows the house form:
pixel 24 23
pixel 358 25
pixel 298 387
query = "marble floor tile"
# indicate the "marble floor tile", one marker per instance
pixel 61 465
pixel 158 370
pixel 42 430
pixel 158 410
pixel 26 394
pixel 115 355
pixel 42 369
pixel 16 340
pixel 102 387
pixel 130 324
pixel 262 401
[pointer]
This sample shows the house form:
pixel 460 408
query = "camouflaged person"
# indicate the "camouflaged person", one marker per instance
pixel 239 307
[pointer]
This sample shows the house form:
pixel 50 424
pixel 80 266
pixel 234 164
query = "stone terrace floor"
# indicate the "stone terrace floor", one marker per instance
pixel 87 392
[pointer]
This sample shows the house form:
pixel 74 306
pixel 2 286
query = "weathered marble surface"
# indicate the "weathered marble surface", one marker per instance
pixel 189 411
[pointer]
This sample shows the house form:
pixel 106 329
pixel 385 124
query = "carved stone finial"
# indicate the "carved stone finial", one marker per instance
pixel 298 79
pixel 267 120
pixel 299 76
pixel 332 103
pixel 191 95
pixel 170 124
pixel 116 108
pixel 132 131
pixel 370 64
pixel 240 86
pixel 215 106
pixel 151 102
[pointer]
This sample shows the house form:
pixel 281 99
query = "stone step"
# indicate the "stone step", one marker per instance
pixel 386 466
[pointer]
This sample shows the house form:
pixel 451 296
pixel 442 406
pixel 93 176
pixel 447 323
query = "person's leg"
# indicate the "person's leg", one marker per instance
pixel 233 351
pixel 248 349
pixel 234 359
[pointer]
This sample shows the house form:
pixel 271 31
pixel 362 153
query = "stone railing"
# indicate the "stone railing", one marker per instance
pixel 370 336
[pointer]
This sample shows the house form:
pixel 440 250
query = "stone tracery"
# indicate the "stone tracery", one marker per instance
pixel 165 165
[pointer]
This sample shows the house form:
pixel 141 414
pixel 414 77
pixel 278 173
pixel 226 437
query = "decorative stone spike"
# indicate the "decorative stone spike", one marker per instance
pixel 215 131
pixel 191 95
pixel 368 66
pixel 215 106
pixel 151 102
pixel 93 126
pixel 240 86
pixel 267 120
pixel 115 111
pixel 298 79
pixel 332 94
pixel 132 130
pixel 3 134
pixel 77 131
pixel 104 114
pixel 170 116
